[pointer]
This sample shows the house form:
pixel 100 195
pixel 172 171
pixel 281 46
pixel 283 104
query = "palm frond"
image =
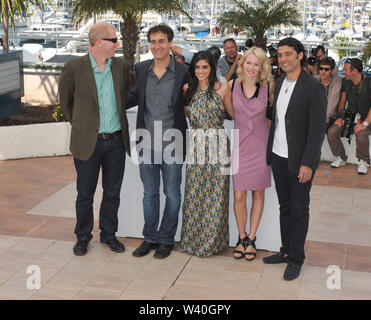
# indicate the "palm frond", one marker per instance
pixel 259 18
pixel 84 9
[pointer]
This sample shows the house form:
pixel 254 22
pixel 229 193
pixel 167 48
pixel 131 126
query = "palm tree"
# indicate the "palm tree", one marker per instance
pixel 130 11
pixel 11 9
pixel 259 18
pixel 342 41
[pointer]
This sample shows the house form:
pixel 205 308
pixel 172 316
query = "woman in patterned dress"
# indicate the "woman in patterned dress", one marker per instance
pixel 205 208
pixel 250 98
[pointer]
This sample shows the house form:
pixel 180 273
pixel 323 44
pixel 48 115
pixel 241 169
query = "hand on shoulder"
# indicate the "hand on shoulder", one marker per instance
pixel 224 89
pixel 185 87
pixel 219 87
pixel 230 83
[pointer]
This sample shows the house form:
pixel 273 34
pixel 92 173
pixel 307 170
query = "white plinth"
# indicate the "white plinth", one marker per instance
pixel 35 140
pixel 131 219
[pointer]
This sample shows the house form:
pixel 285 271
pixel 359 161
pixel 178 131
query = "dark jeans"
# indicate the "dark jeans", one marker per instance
pixel 110 155
pixel 171 179
pixel 293 198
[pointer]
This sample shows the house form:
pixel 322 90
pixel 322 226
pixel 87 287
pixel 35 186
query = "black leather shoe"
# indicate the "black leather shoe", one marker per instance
pixel 144 248
pixel 114 244
pixel 163 251
pixel 292 271
pixel 275 258
pixel 81 247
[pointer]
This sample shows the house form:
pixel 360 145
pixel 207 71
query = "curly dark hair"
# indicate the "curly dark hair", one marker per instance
pixel 327 61
pixel 296 45
pixel 193 81
pixel 162 27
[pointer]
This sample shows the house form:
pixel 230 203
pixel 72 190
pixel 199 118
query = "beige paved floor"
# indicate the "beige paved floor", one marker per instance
pixel 37 230
pixel 102 274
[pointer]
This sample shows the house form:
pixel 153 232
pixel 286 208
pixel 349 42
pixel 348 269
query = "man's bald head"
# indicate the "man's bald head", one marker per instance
pixel 99 30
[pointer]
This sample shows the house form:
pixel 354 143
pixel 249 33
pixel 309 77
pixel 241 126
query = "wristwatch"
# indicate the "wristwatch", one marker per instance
pixel 365 123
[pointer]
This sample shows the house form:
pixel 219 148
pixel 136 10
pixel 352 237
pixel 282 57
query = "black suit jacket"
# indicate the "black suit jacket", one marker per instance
pixel 305 122
pixel 137 96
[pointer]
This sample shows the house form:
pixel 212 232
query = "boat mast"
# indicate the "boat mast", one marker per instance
pixel 212 16
pixel 304 16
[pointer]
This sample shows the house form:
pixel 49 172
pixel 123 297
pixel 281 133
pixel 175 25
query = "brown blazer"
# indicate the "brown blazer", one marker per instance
pixel 79 101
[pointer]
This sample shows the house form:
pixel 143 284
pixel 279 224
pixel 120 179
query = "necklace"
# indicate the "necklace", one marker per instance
pixel 288 84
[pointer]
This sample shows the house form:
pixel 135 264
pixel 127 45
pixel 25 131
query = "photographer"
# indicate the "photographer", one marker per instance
pixel 312 65
pixel 333 85
pixel 356 89
pixel 320 52
pixel 228 63
pixel 276 70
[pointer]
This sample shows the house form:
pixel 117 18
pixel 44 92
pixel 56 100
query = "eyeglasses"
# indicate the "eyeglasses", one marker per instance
pixel 113 40
pixel 322 68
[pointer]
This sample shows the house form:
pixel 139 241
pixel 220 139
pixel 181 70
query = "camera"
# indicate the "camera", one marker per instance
pixel 276 71
pixel 313 60
pixel 348 116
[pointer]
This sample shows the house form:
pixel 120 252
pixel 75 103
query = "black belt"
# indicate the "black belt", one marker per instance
pixel 108 135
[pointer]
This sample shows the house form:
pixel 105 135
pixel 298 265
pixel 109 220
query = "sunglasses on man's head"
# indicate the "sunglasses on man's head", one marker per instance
pixel 322 68
pixel 113 40
pixel 351 62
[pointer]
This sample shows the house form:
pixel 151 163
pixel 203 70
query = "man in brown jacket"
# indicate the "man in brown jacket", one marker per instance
pixel 93 91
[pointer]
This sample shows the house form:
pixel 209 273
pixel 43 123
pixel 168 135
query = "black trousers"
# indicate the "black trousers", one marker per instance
pixel 293 198
pixel 109 154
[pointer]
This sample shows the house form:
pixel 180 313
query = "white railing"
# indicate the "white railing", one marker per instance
pixel 187 39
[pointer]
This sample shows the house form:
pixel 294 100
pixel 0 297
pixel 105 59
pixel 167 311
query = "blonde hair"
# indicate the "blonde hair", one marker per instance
pixel 99 30
pixel 264 76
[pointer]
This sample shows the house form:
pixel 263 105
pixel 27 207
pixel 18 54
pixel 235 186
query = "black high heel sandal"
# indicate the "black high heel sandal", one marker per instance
pixel 243 242
pixel 250 242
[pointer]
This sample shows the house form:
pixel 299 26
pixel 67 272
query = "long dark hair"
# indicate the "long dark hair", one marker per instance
pixel 193 81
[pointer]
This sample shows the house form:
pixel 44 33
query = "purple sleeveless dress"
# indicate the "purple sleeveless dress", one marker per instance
pixel 249 156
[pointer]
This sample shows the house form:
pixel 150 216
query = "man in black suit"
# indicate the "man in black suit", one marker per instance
pixel 294 146
pixel 158 95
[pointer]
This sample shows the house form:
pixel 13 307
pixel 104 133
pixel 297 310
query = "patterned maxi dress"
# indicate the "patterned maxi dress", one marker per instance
pixel 206 199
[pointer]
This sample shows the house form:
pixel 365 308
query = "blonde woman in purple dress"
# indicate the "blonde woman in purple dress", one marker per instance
pixel 250 98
